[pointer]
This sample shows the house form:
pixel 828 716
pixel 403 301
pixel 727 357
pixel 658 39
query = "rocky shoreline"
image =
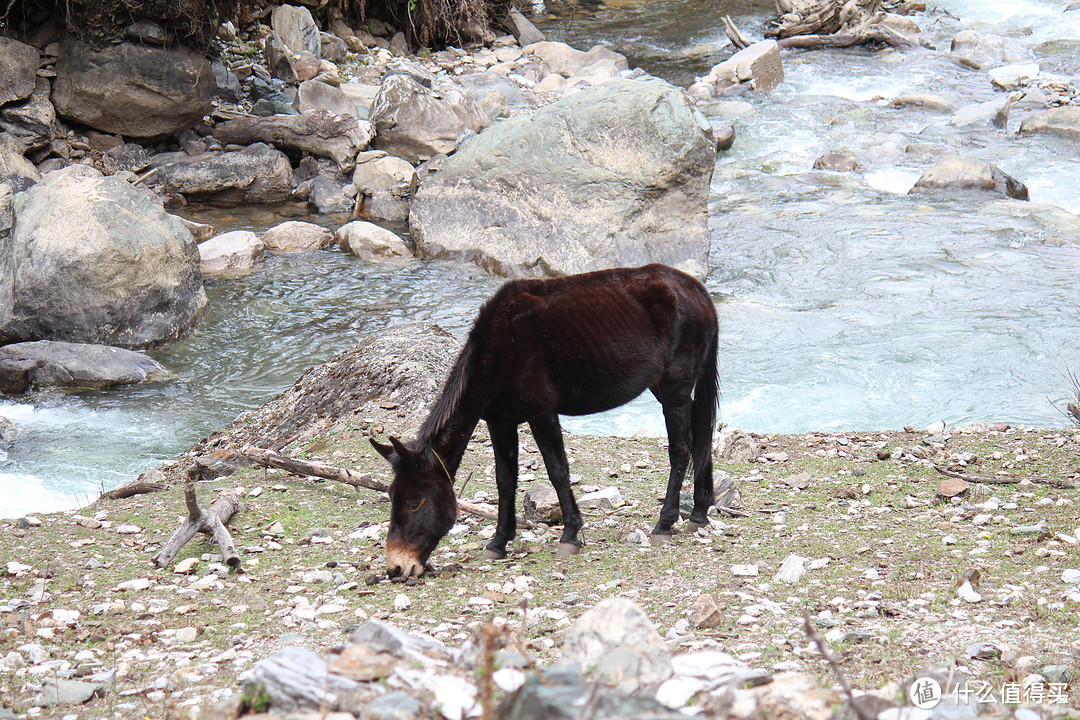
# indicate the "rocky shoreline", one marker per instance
pixel 969 579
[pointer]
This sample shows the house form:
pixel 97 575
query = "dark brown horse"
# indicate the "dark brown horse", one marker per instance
pixel 573 345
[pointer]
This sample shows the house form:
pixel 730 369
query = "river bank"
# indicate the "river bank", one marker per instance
pixel 884 561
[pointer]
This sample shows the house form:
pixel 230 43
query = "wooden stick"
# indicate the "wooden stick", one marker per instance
pixel 211 521
pixel 734 35
pixel 1052 482
pixel 296 466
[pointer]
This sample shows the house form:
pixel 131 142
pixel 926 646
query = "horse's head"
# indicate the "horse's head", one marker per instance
pixel 422 508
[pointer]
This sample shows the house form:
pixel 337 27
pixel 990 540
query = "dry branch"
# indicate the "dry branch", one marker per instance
pixel 211 522
pixel 296 466
pixel 1053 482
pixel 737 39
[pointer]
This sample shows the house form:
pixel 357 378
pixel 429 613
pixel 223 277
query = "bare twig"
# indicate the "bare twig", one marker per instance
pixel 823 648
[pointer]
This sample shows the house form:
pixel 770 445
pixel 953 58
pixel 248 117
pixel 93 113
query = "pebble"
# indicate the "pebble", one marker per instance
pixel 402 602
pixel 1071 576
pixel 186 566
pixel 744 570
pixel 134 585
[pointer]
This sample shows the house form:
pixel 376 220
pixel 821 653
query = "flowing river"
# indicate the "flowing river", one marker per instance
pixel 845 303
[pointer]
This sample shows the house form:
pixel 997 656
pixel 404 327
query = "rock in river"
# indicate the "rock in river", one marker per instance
pixel 955 172
pixel 46 363
pixel 614 175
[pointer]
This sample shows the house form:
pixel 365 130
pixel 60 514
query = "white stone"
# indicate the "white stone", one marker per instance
pixel 968 593
pixel 134 585
pixel 508 679
pixel 369 241
pixel 231 252
pixel 759 64
pixel 744 570
pixel 17 568
pixel 676 692
pixel 401 602
pixel 791 570
pixel 602 499
pixel 1071 576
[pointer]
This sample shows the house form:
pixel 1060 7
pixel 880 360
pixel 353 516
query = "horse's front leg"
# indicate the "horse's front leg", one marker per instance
pixel 548 435
pixel 504 441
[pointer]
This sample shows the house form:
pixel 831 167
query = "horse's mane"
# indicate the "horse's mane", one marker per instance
pixel 457 382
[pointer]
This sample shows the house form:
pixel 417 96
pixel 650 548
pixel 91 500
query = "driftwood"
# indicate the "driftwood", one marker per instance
pixel 1052 482
pixel 296 466
pixel 211 521
pixel 867 34
pixel 135 487
pixel 808 24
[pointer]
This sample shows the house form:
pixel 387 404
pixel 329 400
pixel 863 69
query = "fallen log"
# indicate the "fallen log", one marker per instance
pixel 296 466
pixel 211 522
pixel 1059 483
pixel 135 487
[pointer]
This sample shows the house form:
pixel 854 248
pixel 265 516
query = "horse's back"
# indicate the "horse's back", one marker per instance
pixel 594 341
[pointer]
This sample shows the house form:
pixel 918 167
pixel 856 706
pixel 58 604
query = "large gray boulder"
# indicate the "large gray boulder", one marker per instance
pixel 256 174
pixel 322 133
pixel 18 70
pixel 132 90
pixel 415 120
pixel 46 363
pixel 614 175
pixel 96 261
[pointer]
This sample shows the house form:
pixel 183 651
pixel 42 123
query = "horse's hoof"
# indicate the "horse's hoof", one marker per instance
pixel 567 549
pixel 490 554
pixel 660 539
pixel 693 527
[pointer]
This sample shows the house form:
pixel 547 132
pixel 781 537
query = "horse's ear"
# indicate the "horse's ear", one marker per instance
pixel 404 452
pixel 385 450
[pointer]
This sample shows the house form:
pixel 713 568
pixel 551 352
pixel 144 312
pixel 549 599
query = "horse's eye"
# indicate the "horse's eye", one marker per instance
pixel 416 505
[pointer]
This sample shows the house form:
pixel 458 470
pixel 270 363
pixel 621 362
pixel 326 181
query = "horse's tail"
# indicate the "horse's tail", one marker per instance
pixel 703 417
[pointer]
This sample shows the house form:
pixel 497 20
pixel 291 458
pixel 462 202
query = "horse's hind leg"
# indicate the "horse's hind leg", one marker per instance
pixel 677 419
pixel 548 435
pixel 504 441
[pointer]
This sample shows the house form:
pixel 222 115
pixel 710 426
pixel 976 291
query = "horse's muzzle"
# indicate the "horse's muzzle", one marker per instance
pixel 403 561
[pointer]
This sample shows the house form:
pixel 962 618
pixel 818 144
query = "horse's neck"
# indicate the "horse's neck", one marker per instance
pixel 450 441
